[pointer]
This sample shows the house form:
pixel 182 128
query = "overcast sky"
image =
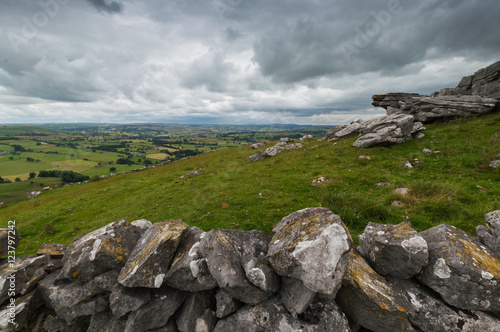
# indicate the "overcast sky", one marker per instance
pixel 232 61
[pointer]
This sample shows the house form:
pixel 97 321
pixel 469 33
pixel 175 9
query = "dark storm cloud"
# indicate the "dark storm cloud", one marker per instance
pixel 109 7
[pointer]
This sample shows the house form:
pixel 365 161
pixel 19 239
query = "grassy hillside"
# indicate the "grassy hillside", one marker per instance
pixel 455 186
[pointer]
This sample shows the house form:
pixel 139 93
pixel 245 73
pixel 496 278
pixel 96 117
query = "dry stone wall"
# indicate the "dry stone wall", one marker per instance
pixel 138 276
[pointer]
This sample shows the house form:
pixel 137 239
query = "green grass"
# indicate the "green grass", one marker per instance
pixel 452 186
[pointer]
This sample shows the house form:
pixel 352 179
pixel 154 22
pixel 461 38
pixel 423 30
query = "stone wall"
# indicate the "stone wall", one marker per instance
pixel 137 276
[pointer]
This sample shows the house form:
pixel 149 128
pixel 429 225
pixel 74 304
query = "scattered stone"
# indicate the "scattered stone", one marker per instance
pixel 236 259
pixel 394 250
pixel 311 245
pixel 53 250
pixel 490 233
pixel 401 191
pixel 206 322
pixel 295 296
pixel 104 249
pixel 193 173
pixel 33 194
pixel 398 204
pixel 495 164
pixel 408 165
pixel 368 299
pixel 7 235
pixel 319 180
pixel 257 145
pixel 364 157
pixel 149 261
pixel 189 269
pixel 427 151
pixel 305 137
pixel 419 135
pixel 462 270
pixel 2 204
pixel 164 303
pixel 293 146
pixel 383 184
pixel 226 304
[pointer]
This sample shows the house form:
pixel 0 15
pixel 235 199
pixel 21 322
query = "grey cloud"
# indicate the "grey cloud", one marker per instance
pixel 110 7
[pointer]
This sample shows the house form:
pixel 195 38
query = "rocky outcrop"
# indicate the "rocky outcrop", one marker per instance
pixel 283 144
pixel 307 277
pixel 490 233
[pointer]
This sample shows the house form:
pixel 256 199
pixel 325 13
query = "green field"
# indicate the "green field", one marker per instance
pixel 455 186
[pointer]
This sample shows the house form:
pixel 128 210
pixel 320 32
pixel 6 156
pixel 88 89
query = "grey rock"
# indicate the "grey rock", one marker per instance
pixel 236 259
pixel 269 152
pixel 19 311
pixel 326 316
pixel 368 299
pixel 107 281
pixel 54 250
pixel 353 129
pixel 124 300
pixel 194 306
pixel 429 313
pixel 226 304
pixel 149 261
pixel 427 151
pixel 295 296
pixel 385 130
pixel 189 270
pixel 104 249
pixel 105 322
pixel 7 234
pixel 266 316
pixel 330 135
pixel 164 303
pixel 311 245
pixel 393 99
pixel 490 233
pixel 417 127
pixel 170 327
pixel 394 250
pixel 54 324
pixel 461 269
pixel 495 164
pixel 257 145
pixel 22 276
pixel 206 322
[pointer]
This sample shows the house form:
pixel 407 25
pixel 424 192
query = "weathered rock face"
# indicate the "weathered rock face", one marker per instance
pixel 102 250
pixel 490 233
pixel 461 270
pixel 149 261
pixel 236 259
pixel 189 269
pixel 384 130
pixel 394 250
pixel 277 148
pixel 24 307
pixel 53 250
pixel 484 82
pixel 370 300
pixel 311 245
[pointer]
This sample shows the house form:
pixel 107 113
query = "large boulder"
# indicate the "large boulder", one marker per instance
pixel 189 269
pixel 149 261
pixel 295 296
pixel 370 300
pixel 394 250
pixel 490 233
pixel 311 245
pixel 14 316
pixel 124 300
pixel 386 130
pixel 391 100
pixel 194 306
pixel 104 249
pixel 236 259
pixel 461 269
pixel 426 311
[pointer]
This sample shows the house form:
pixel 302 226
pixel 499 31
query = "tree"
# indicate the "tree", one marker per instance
pixel 32 175
pixel 18 180
pixel 112 169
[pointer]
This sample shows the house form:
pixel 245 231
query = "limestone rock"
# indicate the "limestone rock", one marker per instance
pixel 24 308
pixel 393 99
pixel 22 276
pixel 490 233
pixel 428 313
pixel 70 300
pixel 257 145
pixel 189 270
pixel 149 261
pixel 267 316
pixel 369 300
pixel 104 321
pixel 194 306
pixel 461 269
pixel 269 152
pixel 326 316
pixel 102 250
pixel 169 327
pixel 124 300
pixel 206 322
pixel 164 303
pixel 226 304
pixel 295 296
pixel 384 130
pixel 311 245
pixel 53 250
pixel 236 259
pixel 394 250
pixel 7 234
